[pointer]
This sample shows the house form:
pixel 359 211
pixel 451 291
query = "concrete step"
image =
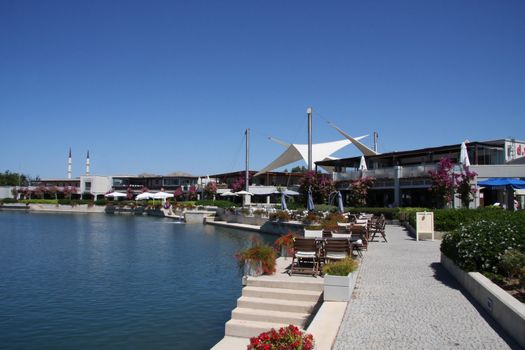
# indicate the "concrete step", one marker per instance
pixel 298 319
pixel 276 305
pixel 247 329
pixel 281 293
pixel 306 284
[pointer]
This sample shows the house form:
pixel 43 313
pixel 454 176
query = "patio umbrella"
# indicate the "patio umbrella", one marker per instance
pixel 463 155
pixel 362 164
pixel 340 202
pixel 162 195
pixel 283 202
pixel 227 194
pixel 291 193
pixel 115 195
pixel 244 193
pixel 310 201
pixel 144 195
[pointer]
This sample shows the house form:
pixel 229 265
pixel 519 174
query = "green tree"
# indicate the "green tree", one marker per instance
pixel 13 179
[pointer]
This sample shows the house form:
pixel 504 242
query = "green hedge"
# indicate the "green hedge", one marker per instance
pixel 39 201
pixel 480 245
pixel 217 203
pixel 8 200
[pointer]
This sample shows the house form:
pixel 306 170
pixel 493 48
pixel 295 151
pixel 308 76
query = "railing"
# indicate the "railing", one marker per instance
pixel 416 170
pixel 412 171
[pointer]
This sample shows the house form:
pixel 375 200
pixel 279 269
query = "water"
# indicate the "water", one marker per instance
pixel 74 281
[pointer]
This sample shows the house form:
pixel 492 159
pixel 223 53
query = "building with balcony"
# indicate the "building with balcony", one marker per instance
pixel 402 179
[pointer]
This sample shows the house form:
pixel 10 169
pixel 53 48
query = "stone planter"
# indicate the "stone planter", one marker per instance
pixel 253 268
pixel 286 252
pixel 339 288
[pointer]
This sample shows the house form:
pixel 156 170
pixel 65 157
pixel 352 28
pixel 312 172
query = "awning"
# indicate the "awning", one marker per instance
pixel 503 181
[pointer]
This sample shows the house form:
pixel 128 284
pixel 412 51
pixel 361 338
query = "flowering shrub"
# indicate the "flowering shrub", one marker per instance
pixel 359 190
pixel 258 252
pixel 320 184
pixel 443 182
pixel 285 241
pixel 481 245
pixel 464 186
pixel 286 338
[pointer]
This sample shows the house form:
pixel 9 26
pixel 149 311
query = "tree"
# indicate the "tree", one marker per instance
pixel 320 184
pixel 299 169
pixel 210 190
pixel 238 184
pixel 359 191
pixel 466 191
pixel 13 179
pixel 443 182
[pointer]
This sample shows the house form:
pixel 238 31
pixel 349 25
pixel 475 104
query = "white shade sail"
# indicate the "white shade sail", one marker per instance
pixel 362 164
pixel 296 152
pixel 364 149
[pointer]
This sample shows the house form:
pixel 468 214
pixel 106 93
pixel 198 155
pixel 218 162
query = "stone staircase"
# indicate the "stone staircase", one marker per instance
pixel 273 302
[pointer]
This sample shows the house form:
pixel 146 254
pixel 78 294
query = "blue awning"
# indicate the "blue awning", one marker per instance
pixel 503 181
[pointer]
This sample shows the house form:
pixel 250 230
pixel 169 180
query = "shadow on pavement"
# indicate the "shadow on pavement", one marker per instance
pixel 443 276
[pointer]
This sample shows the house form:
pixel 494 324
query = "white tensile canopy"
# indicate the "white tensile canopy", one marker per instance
pixel 295 152
pixel 363 148
pixel 244 193
pixel 227 194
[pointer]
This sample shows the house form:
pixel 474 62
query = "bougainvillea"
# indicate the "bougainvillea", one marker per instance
pixel 210 190
pixel 286 338
pixel 464 186
pixel 359 190
pixel 238 184
pixel 443 182
pixel 320 184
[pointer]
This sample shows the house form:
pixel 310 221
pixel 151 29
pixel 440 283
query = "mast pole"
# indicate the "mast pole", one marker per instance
pixel 309 113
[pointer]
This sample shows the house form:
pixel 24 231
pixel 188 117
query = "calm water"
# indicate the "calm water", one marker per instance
pixel 115 282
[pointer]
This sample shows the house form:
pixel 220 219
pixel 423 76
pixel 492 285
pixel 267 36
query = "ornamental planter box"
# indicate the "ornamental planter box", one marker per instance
pixel 339 288
pixel 253 268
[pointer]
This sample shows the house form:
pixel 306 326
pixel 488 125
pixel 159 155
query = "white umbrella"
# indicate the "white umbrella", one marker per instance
pixel 463 155
pixel 228 193
pixel 244 193
pixel 144 195
pixel 115 194
pixel 362 164
pixel 162 195
pixel 291 193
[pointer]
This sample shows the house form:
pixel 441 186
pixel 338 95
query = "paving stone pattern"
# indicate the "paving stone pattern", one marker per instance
pixel 405 299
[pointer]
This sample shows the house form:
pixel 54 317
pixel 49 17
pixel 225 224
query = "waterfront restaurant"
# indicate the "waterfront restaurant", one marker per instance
pixel 401 178
pixel 153 182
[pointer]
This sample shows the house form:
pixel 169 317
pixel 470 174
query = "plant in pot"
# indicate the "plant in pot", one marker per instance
pixel 284 244
pixel 329 225
pixel 339 279
pixel 311 218
pixel 290 338
pixel 257 260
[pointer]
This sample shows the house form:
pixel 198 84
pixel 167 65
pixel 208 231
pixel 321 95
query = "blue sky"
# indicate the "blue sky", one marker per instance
pixel 161 86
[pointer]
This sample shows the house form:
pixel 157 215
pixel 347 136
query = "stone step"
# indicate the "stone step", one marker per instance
pixel 281 293
pixel 306 284
pixel 247 329
pixel 276 305
pixel 295 318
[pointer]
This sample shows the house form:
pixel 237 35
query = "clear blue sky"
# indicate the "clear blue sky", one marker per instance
pixel 160 86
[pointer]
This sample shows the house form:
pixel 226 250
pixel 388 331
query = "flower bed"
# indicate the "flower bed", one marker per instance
pixel 286 338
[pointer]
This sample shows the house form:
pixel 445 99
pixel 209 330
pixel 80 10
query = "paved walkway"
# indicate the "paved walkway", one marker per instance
pixel 405 299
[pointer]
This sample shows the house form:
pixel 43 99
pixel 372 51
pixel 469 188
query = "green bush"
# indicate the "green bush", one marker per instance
pixel 39 201
pixel 101 202
pixel 8 200
pixel 341 267
pixel 512 263
pixel 481 245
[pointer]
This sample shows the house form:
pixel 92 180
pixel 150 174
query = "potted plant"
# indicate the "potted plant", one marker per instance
pixel 257 260
pixel 285 244
pixel 310 218
pixel 285 338
pixel 339 279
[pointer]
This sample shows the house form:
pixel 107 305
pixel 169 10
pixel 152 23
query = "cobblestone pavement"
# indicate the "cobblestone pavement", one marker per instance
pixel 405 299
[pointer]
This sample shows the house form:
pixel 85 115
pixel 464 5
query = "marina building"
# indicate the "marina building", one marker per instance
pixel 402 178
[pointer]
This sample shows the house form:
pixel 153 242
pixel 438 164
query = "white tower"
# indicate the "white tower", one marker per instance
pixel 69 164
pixel 87 164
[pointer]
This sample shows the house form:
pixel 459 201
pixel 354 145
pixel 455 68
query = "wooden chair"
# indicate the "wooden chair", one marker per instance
pixel 306 256
pixel 359 239
pixel 379 227
pixel 336 249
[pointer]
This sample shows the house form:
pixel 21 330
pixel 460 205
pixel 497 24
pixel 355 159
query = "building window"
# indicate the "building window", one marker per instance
pixel 88 186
